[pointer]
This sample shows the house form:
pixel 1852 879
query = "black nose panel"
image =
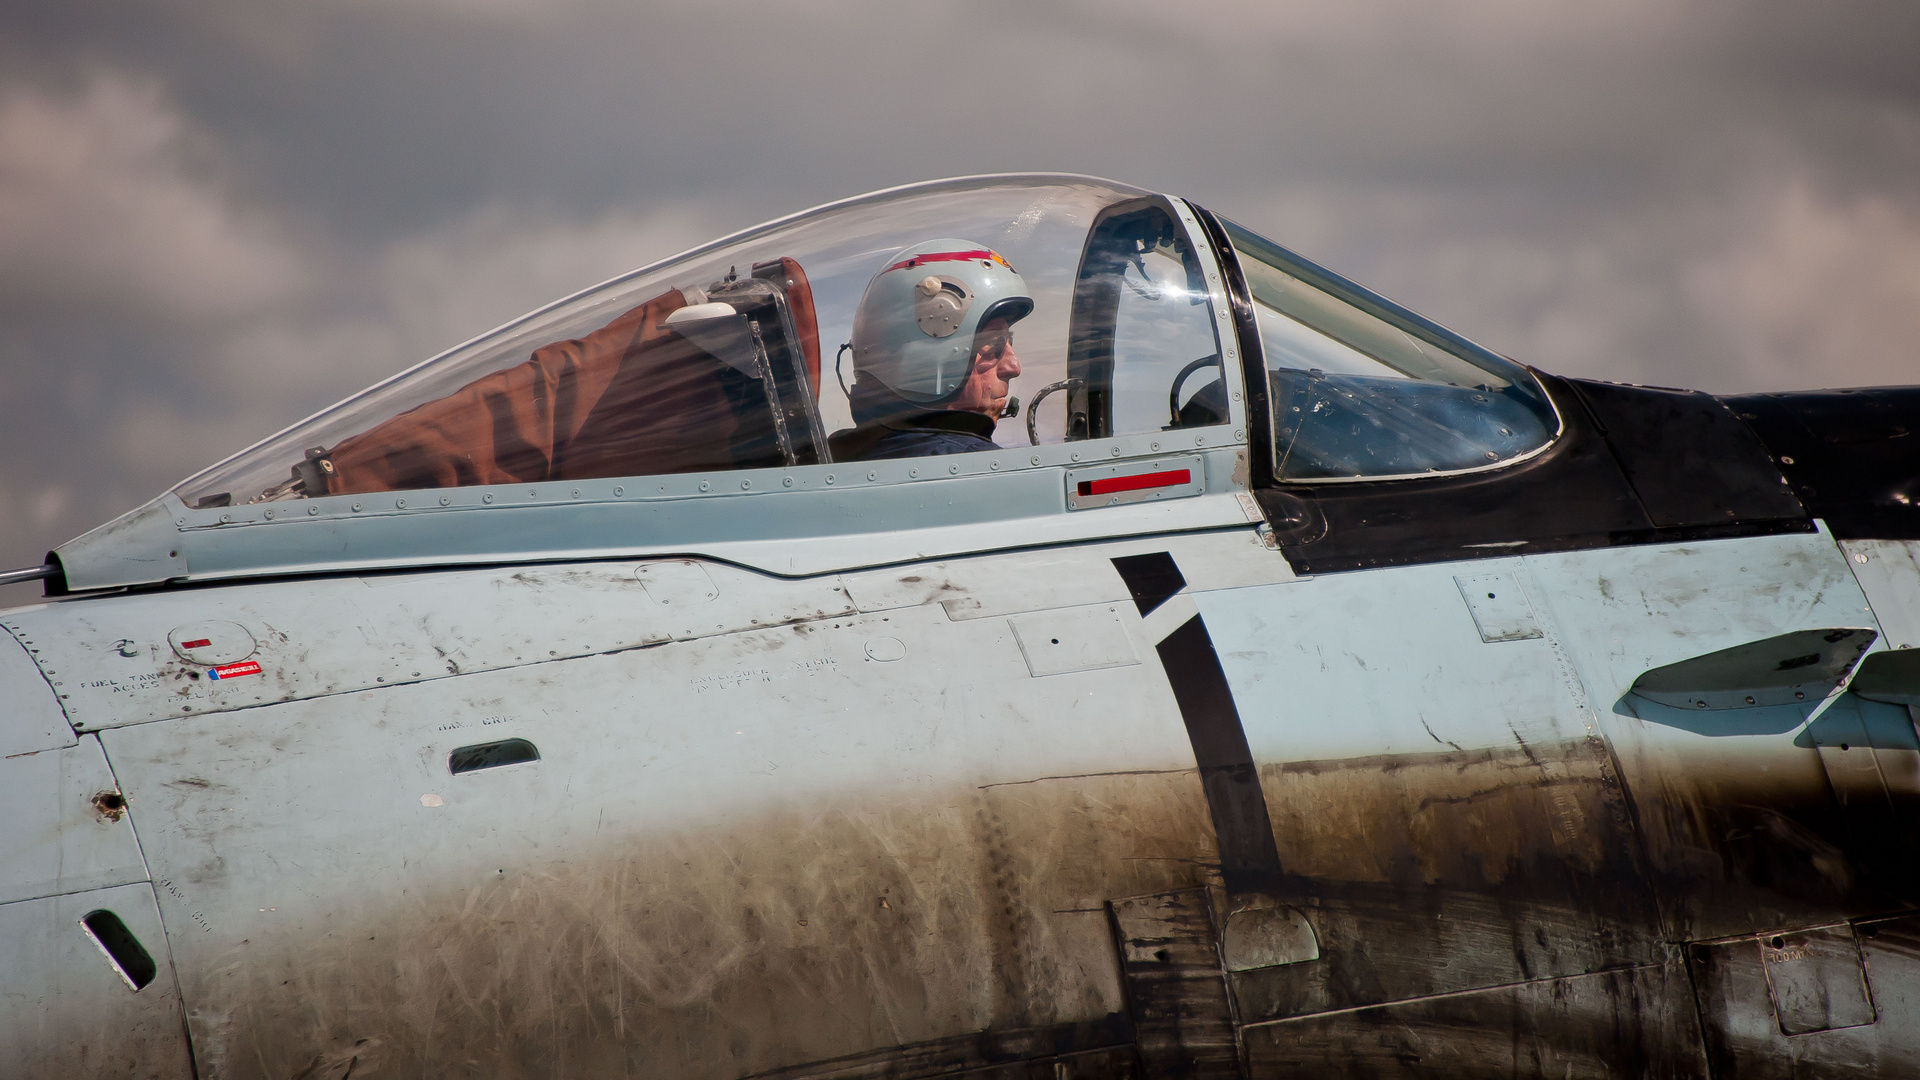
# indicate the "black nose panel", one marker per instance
pixel 1689 459
pixel 1853 456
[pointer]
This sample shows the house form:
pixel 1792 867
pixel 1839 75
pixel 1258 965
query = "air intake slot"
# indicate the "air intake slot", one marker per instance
pixel 491 755
pixel 129 957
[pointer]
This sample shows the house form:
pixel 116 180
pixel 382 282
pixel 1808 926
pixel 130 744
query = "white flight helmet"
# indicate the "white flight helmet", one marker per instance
pixel 913 331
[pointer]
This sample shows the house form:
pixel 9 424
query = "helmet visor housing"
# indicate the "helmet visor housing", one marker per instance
pixel 914 329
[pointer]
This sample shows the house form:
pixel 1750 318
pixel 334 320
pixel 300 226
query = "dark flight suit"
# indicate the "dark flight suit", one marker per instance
pixel 926 434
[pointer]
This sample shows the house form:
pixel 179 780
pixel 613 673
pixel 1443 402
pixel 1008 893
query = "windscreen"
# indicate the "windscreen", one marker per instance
pixel 1364 389
pixel 1145 356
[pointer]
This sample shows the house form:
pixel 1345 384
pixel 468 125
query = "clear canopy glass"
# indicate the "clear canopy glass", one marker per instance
pixel 728 356
pixel 1362 388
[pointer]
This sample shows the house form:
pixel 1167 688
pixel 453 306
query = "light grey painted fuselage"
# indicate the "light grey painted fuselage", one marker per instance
pixel 776 821
pixel 961 765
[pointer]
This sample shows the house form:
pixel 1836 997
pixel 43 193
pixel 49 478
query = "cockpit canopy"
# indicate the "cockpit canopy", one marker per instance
pixel 726 357
pixel 1124 352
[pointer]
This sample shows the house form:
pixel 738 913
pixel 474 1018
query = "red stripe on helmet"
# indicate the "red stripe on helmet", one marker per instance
pixel 950 256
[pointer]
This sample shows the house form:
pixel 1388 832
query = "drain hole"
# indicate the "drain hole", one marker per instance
pixel 121 947
pixel 491 755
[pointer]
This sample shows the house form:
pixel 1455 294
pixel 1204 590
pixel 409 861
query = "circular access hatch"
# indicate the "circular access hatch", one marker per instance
pixel 212 643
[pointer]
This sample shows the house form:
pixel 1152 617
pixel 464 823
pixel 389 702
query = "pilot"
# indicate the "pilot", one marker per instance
pixel 933 353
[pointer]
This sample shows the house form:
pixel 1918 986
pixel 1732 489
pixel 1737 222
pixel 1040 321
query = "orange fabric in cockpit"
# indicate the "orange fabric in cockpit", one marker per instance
pixel 793 281
pixel 633 398
pixel 625 400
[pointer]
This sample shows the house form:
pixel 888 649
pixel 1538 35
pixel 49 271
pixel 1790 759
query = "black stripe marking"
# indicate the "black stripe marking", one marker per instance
pixel 1249 859
pixel 1152 579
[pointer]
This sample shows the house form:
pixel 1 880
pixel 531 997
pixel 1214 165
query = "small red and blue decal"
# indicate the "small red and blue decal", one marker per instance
pixel 230 671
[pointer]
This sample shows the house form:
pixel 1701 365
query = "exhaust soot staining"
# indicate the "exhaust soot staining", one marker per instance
pixel 490 756
pixel 129 957
pixel 1479 821
pixel 1817 980
pixel 1085 1050
pixel 110 805
pixel 1183 1021
pixel 697 941
pixel 1637 1022
pixel 341 1062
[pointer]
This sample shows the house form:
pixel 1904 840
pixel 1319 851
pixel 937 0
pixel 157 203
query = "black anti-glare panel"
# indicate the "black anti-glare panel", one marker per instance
pixel 1852 456
pixel 1574 495
pixel 1689 459
pixel 1570 495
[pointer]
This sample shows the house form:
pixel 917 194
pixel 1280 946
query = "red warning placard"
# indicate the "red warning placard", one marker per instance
pixel 1137 482
pixel 230 671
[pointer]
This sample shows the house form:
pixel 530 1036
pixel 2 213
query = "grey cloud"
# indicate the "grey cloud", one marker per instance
pixel 97 197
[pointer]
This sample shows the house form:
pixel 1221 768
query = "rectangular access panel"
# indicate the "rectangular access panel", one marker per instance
pixel 1821 1001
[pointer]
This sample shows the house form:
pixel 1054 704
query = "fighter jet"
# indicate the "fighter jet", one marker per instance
pixel 1010 626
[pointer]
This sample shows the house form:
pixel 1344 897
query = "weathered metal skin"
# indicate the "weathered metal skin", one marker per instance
pixel 726 862
pixel 717 951
pixel 1622 1022
pixel 779 852
pixel 711 954
pixel 614 905
pixel 1603 765
pixel 1850 1027
pixel 1478 858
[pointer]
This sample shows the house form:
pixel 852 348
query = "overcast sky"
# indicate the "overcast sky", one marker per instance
pixel 217 217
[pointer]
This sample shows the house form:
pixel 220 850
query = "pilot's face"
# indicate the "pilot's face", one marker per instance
pixel 994 366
